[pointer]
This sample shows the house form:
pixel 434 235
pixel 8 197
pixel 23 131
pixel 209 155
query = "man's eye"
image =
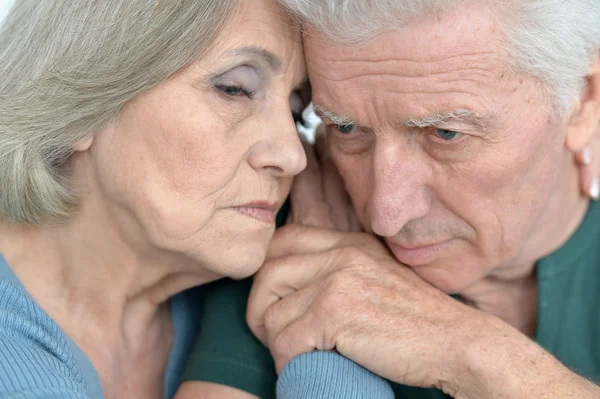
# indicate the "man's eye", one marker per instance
pixel 235 91
pixel 447 135
pixel 347 129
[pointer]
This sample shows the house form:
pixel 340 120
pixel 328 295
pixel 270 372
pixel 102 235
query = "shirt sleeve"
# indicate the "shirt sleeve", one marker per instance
pixel 329 375
pixel 226 352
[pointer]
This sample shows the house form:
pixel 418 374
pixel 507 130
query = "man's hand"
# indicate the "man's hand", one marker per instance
pixel 327 290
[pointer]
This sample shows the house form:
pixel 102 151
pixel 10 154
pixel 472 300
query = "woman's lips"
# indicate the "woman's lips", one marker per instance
pixel 419 255
pixel 264 212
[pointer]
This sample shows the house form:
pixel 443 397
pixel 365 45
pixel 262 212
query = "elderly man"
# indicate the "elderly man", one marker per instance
pixel 453 125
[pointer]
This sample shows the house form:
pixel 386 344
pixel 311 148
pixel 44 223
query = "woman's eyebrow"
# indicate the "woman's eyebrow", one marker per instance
pixel 271 59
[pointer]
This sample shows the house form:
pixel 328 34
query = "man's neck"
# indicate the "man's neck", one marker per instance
pixel 513 301
pixel 510 292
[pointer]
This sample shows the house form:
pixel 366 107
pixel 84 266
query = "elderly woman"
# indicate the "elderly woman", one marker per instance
pixel 145 148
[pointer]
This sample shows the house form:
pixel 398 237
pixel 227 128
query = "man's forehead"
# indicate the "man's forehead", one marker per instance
pixel 457 37
pixel 444 69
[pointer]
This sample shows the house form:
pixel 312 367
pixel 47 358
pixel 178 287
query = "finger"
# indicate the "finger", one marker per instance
pixel 278 279
pixel 307 184
pixel 303 335
pixel 297 239
pixel 284 312
pixel 333 186
pixel 344 217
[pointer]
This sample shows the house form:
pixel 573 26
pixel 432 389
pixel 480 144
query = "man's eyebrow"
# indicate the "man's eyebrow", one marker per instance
pixel 337 119
pixel 271 59
pixel 460 115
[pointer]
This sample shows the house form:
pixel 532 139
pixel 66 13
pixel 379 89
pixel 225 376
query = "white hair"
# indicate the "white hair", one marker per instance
pixel 67 67
pixel 553 40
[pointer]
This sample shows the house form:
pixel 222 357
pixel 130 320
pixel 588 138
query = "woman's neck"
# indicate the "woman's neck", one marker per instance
pixel 107 291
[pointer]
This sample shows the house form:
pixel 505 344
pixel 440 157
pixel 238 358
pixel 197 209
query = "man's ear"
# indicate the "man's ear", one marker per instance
pixel 586 114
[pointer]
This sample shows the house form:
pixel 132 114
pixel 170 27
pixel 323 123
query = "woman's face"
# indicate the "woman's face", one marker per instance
pixel 202 162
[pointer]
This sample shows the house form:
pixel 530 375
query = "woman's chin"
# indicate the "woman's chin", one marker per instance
pixel 243 263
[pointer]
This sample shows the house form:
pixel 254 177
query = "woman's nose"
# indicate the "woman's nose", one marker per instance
pixel 279 150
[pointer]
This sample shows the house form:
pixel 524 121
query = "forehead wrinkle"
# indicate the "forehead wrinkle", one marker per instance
pixel 471 74
pixel 430 61
pixel 254 51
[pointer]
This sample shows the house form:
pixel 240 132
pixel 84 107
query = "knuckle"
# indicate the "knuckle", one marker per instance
pixel 348 255
pixel 264 274
pixel 316 217
pixel 271 318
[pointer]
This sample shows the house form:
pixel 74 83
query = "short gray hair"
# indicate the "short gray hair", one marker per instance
pixel 553 40
pixel 67 67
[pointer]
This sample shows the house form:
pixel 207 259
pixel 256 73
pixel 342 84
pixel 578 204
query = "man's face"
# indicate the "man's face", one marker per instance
pixel 453 158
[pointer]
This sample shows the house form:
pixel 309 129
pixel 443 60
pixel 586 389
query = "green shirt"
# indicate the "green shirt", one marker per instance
pixel 568 321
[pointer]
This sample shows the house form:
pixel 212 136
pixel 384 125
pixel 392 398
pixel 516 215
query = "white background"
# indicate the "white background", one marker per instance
pixel 4 7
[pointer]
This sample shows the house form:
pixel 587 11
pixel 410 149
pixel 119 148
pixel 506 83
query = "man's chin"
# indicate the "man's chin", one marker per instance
pixel 446 276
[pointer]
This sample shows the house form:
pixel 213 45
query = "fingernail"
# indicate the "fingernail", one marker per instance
pixel 586 155
pixel 595 188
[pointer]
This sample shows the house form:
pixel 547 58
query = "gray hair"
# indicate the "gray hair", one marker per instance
pixel 553 40
pixel 67 68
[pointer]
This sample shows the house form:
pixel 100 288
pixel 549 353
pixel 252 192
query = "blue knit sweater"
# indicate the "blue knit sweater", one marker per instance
pixel 38 360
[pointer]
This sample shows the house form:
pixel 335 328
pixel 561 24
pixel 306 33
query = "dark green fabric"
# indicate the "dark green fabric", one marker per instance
pixel 569 299
pixel 226 351
pixel 568 322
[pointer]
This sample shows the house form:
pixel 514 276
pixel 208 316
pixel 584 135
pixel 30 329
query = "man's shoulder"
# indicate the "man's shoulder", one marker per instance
pixel 35 358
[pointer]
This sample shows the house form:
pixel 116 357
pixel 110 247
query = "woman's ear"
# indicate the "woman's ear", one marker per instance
pixel 84 144
pixel 586 114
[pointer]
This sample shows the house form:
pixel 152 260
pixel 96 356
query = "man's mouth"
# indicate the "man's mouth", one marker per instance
pixel 418 255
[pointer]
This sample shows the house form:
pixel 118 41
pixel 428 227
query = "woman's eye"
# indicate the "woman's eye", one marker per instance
pixel 235 91
pixel 347 128
pixel 447 135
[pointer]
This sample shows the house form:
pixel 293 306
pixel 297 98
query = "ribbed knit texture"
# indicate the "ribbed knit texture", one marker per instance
pixel 329 375
pixel 38 360
pixel 35 358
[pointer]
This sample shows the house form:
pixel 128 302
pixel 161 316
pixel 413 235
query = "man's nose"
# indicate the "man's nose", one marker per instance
pixel 400 190
pixel 279 149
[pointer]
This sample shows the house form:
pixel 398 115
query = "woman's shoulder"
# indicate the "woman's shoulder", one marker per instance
pixel 35 358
